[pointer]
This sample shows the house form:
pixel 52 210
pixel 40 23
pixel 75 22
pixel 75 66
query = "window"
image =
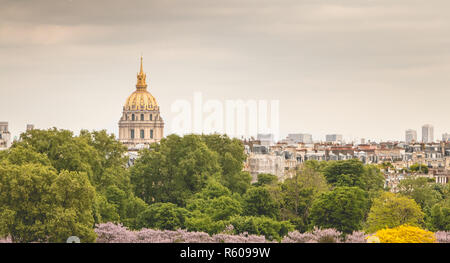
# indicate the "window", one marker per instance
pixel 151 134
pixel 151 117
pixel 142 134
pixel 142 117
pixel 132 133
pixel 132 117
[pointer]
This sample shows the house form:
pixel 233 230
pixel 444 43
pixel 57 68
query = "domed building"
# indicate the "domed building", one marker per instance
pixel 141 123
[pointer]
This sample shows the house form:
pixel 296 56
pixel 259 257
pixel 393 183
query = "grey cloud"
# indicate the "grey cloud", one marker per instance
pixel 321 54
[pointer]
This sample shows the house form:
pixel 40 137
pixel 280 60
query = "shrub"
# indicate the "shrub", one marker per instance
pixel 316 236
pixel 112 233
pixel 405 234
pixel 442 237
pixel 356 237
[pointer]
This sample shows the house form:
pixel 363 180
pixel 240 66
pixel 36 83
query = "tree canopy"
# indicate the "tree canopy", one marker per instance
pixel 39 204
pixel 392 210
pixel 343 208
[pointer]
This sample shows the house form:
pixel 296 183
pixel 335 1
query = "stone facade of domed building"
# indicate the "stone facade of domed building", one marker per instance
pixel 141 123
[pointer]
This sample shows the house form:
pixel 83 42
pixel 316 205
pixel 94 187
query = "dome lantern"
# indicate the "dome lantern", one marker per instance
pixel 141 84
pixel 141 99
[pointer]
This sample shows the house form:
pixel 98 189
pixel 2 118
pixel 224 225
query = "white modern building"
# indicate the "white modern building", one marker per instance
pixel 427 133
pixel 266 139
pixel 334 138
pixel 299 138
pixel 410 136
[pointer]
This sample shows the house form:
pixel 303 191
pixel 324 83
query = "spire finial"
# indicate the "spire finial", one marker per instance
pixel 141 78
pixel 142 69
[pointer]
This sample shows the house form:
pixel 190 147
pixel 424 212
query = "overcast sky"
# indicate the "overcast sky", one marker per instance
pixel 363 68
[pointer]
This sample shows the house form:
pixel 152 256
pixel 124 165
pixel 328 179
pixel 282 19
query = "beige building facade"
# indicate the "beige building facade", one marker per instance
pixel 141 123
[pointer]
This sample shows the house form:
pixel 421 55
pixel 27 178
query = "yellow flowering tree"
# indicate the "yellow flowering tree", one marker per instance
pixel 403 234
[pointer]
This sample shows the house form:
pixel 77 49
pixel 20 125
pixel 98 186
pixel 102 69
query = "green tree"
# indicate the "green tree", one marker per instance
pixel 345 173
pixel 22 155
pixel 344 209
pixel 270 228
pixel 316 165
pixel 422 190
pixel 440 216
pixel 164 216
pixel 212 208
pixel 419 168
pixel 258 201
pixel 386 165
pixel 65 151
pixel 391 210
pixel 231 158
pixel 212 189
pixel 132 208
pixel 439 219
pixel 173 170
pixel 97 154
pixel 200 222
pixel 354 173
pixel 39 205
pixel 266 179
pixel 298 194
pixel 373 179
pixel 218 208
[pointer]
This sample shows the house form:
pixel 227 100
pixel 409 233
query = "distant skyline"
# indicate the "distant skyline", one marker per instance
pixel 363 69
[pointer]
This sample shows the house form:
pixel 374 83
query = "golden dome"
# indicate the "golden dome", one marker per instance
pixel 141 99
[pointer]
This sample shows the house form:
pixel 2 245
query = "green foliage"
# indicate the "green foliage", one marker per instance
pixel 231 159
pixel 298 194
pixel 200 222
pixel 39 205
pixel 219 208
pixel 213 189
pixel 132 208
pixel 354 173
pixel 422 190
pixel 316 165
pixel 97 154
pixel 386 165
pixel 54 185
pixel 111 150
pixel 419 168
pixel 173 170
pixel 345 173
pixel 440 217
pixel 270 228
pixel 163 216
pixel 344 209
pixel 64 151
pixel 22 155
pixel 391 210
pixel 258 201
pixel 373 178
pixel 212 207
pixel 266 179
pixel 103 211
